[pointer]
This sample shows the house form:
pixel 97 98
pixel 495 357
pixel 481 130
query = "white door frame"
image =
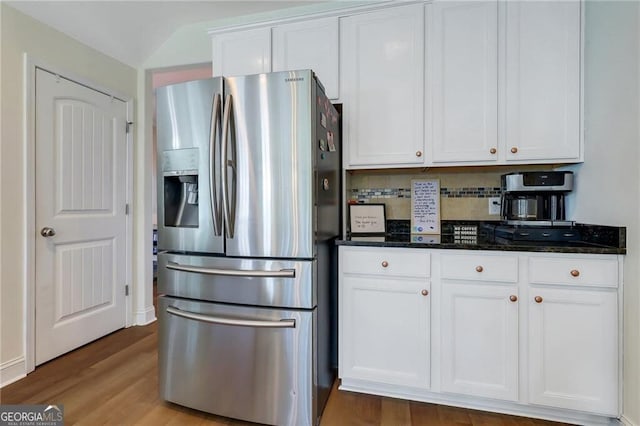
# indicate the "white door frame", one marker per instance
pixel 30 66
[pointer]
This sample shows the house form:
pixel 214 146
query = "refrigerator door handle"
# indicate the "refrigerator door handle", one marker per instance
pixel 224 163
pixel 283 323
pixel 216 207
pixel 282 273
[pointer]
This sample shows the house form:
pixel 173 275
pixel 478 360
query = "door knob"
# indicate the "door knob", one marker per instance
pixel 47 232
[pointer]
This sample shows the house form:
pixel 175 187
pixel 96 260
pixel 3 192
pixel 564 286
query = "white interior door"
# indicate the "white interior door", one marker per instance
pixel 80 215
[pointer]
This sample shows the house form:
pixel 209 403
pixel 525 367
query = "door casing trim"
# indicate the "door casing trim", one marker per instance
pixel 30 65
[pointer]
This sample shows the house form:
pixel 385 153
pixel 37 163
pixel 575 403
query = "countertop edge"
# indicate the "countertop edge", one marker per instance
pixel 488 247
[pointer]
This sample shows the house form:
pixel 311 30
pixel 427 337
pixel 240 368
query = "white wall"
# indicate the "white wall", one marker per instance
pixel 608 182
pixel 20 34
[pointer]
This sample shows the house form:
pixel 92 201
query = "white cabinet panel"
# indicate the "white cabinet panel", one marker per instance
pixel 480 267
pixel 575 271
pixel 242 52
pixel 310 44
pixel 542 80
pixel 463 63
pixel 479 340
pixel 382 60
pixel 573 349
pixel 385 331
pixel 398 262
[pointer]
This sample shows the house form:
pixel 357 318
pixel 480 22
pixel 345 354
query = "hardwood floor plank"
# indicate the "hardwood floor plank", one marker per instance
pixel 424 414
pixel 354 408
pixel 394 412
pixel 114 381
pixel 454 415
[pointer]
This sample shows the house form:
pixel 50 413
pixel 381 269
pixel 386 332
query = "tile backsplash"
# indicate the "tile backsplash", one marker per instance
pixel 463 190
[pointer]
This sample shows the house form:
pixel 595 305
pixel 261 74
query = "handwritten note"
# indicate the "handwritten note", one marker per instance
pixel 367 219
pixel 425 206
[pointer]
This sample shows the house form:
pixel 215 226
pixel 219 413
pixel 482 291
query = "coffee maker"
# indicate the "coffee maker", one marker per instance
pixel 535 198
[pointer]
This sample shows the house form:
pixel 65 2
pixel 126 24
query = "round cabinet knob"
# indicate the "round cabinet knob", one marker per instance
pixel 538 299
pixel 479 268
pixel 385 263
pixel 424 292
pixel 418 153
pixel 514 150
pixel 47 232
pixel 493 150
pixel 575 273
pixel 513 298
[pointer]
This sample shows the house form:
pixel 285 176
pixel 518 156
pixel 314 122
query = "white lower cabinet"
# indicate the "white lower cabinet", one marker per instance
pixel 385 333
pixel 384 316
pixel 573 349
pixel 536 334
pixel 479 329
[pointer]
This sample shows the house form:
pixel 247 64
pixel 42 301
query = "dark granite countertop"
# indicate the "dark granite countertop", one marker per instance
pixel 478 235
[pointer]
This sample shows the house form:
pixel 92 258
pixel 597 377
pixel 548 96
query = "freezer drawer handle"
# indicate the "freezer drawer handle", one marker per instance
pixel 283 323
pixel 282 273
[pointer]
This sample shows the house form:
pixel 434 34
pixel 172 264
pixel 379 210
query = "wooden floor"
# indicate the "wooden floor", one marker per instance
pixel 114 381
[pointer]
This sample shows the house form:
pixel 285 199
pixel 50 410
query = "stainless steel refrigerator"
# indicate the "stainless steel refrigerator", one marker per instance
pixel 248 208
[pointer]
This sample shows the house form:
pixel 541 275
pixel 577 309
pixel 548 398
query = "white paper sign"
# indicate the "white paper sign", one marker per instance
pixel 425 206
pixel 367 218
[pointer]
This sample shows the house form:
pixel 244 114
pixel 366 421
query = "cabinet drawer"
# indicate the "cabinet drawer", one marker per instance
pixel 480 267
pixel 573 271
pixel 393 262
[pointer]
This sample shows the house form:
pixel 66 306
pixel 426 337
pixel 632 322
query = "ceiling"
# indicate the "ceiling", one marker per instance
pixel 130 31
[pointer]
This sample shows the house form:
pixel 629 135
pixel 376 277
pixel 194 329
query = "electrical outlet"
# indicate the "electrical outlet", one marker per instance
pixel 494 205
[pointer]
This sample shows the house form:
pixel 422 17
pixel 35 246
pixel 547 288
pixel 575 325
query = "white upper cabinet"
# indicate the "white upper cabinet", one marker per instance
pixel 503 82
pixel 242 52
pixel 542 80
pixel 382 75
pixel 462 62
pixel 443 83
pixel 312 45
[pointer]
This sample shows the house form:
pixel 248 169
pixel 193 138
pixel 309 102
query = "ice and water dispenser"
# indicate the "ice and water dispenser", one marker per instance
pixel 180 178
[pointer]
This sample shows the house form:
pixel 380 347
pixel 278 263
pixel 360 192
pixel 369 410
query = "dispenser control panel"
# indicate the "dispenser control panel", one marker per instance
pixel 180 161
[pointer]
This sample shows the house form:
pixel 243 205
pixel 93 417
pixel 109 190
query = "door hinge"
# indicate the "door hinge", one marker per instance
pixel 126 290
pixel 128 127
pixel 126 209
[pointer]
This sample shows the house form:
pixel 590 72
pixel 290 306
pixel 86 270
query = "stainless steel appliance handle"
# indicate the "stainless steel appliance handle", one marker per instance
pixel 223 161
pixel 283 323
pixel 282 273
pixel 216 209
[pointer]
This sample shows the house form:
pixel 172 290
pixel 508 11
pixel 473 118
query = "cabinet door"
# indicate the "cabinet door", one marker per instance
pixel 382 59
pixel 242 52
pixel 480 340
pixel 312 45
pixel 542 80
pixel 573 349
pixel 462 78
pixel 385 331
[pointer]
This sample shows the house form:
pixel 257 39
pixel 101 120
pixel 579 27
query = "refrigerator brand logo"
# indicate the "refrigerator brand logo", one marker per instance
pixel 291 79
